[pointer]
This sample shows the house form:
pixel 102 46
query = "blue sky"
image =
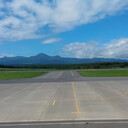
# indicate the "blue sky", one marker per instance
pixel 73 28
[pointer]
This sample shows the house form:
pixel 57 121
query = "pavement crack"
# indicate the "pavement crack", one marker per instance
pixel 46 107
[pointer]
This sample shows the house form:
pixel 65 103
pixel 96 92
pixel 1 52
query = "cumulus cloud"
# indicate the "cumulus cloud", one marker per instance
pixel 25 19
pixel 114 49
pixel 51 40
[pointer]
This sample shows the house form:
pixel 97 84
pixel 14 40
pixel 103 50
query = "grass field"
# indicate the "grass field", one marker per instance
pixel 19 75
pixel 26 69
pixel 105 73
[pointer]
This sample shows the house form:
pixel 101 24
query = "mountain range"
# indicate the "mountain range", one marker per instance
pixel 46 59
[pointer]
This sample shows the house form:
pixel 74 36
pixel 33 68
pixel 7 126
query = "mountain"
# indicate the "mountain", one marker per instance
pixel 45 59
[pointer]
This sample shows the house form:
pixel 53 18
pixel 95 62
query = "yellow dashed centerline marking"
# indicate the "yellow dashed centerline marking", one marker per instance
pixel 47 74
pixel 59 75
pixel 53 103
pixel 72 74
pixel 73 87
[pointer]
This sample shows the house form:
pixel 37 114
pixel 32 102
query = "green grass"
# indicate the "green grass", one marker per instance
pixel 30 69
pixel 19 75
pixel 25 69
pixel 105 73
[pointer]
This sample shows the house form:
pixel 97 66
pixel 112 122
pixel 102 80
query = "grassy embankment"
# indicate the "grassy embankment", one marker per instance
pixel 104 73
pixel 25 69
pixel 19 75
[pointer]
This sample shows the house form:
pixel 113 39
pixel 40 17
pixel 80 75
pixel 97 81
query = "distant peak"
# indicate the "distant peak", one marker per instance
pixel 57 56
pixel 42 54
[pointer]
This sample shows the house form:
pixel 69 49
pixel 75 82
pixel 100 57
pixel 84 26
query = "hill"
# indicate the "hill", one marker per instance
pixel 46 59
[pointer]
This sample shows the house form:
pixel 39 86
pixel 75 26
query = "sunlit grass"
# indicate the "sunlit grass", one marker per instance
pixel 19 75
pixel 104 73
pixel 25 69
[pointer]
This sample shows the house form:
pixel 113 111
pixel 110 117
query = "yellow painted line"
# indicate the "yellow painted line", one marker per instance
pixel 101 98
pixel 59 75
pixel 72 74
pixel 97 98
pixel 75 96
pixel 16 121
pixel 78 112
pixel 73 87
pixel 53 103
pixel 47 74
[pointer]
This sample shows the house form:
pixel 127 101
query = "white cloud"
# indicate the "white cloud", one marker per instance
pixel 117 49
pixel 23 19
pixel 114 49
pixel 51 40
pixel 6 55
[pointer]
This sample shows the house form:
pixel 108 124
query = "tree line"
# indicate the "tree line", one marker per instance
pixel 105 65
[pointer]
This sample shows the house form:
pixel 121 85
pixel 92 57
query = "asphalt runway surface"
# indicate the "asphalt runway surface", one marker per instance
pixel 62 76
pixel 64 99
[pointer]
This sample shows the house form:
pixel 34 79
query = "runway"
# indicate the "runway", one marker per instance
pixel 62 76
pixel 61 99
